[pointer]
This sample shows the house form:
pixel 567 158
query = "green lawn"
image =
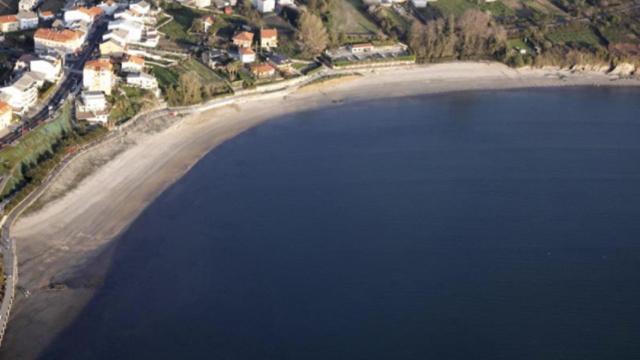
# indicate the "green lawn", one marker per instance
pixel 453 7
pixel 345 17
pixel 179 29
pixel 205 73
pixel 31 147
pixel 579 34
pixel 166 76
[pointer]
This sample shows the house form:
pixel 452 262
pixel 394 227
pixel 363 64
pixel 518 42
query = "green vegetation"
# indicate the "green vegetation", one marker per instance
pixel 180 29
pixel 347 17
pixel 190 82
pixel 580 35
pixel 27 164
pixel 126 102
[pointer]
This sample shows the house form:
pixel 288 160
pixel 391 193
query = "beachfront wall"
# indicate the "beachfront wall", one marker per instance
pixel 401 61
pixel 11 272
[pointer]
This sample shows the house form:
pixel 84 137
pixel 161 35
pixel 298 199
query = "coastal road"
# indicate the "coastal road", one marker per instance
pixel 70 82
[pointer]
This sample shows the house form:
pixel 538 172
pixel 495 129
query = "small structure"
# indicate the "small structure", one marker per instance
pixel 141 7
pixel 207 23
pixel 6 115
pixel 268 38
pixel 49 66
pixel 361 48
pixel 264 6
pixel 113 47
pixel 47 15
pixel 280 62
pixel 246 55
pixel 243 39
pixel 28 20
pixel 23 93
pixel 262 71
pixel 202 3
pixel 133 64
pixel 109 7
pixel 143 81
pixel 9 23
pixel 86 15
pixel 214 57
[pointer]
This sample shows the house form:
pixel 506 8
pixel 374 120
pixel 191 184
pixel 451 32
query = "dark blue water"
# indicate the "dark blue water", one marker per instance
pixel 493 225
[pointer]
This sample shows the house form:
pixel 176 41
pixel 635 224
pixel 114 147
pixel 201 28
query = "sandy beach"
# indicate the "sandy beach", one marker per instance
pixel 63 247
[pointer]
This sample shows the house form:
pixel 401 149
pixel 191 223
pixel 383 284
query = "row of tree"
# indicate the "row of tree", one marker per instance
pixel 473 35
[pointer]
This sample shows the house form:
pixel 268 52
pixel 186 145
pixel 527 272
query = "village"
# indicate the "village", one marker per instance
pixel 116 58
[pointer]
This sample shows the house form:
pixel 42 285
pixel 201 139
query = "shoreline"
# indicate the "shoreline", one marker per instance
pixel 64 246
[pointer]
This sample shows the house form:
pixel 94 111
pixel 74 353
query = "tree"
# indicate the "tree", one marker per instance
pixel 232 69
pixel 312 34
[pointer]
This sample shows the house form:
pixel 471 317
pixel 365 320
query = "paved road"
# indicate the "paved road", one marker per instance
pixel 70 82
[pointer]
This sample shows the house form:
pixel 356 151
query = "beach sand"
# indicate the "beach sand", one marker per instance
pixel 63 248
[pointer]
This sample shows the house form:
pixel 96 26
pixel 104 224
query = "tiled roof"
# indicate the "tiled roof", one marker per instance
pixel 243 36
pixel 57 35
pixel 4 108
pixel 8 19
pixel 98 65
pixel 268 33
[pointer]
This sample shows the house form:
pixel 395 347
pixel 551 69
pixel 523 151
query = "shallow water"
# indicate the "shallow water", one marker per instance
pixel 477 225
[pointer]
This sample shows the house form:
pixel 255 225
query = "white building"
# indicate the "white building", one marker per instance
pixel 142 80
pixel 83 14
pixel 49 67
pixel 23 93
pixel 97 75
pixel 28 20
pixel 28 5
pixel 64 41
pixel 283 3
pixel 246 55
pixel 202 3
pixel 6 114
pixel 265 6
pixel 109 7
pixel 133 29
pixel 92 106
pixel 133 64
pixel 141 7
pixel 419 3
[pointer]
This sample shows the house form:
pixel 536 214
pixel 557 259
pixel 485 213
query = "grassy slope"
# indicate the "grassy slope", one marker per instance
pixel 31 146
pixel 346 18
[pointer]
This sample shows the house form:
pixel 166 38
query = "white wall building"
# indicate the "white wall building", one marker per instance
pixel 22 94
pixel 86 15
pixel 142 80
pixel 202 3
pixel 28 5
pixel 6 114
pixel 28 20
pixel 109 7
pixel 92 106
pixel 133 29
pixel 50 68
pixel 64 41
pixel 97 75
pixel 265 6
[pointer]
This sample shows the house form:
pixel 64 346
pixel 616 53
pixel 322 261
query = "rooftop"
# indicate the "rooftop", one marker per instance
pixel 57 35
pixel 268 33
pixel 8 19
pixel 243 36
pixel 4 108
pixel 98 65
